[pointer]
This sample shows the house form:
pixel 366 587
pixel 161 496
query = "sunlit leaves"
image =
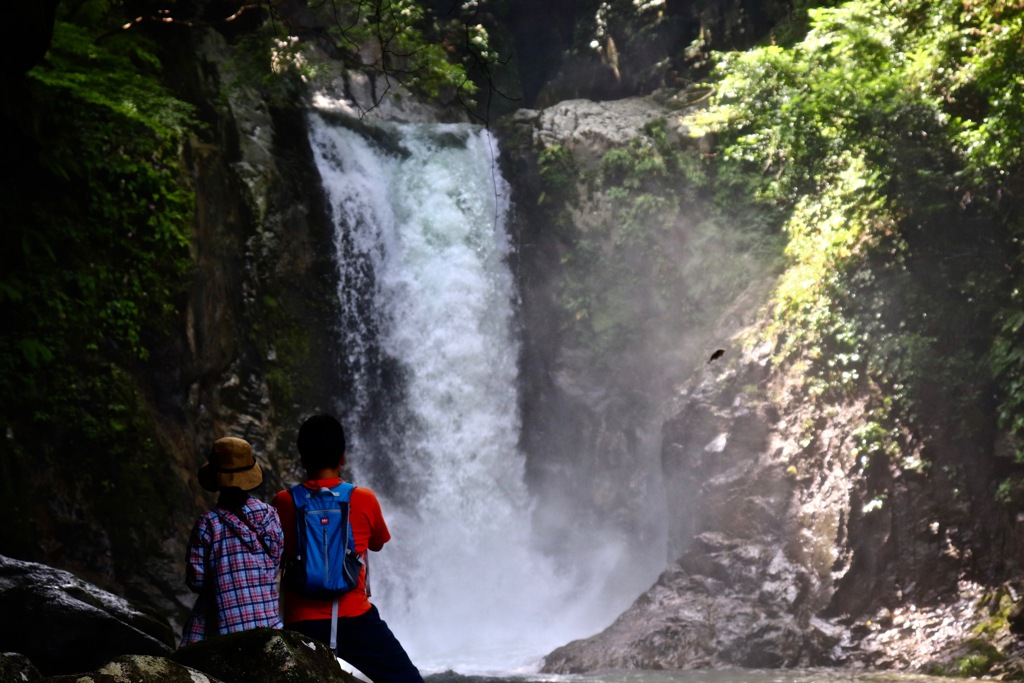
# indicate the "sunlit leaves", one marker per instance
pixel 851 87
pixel 871 103
pixel 892 132
pixel 100 232
pixel 990 131
pixel 116 75
pixel 399 38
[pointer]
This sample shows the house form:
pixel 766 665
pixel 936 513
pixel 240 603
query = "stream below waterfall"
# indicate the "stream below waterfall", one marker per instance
pixel 723 676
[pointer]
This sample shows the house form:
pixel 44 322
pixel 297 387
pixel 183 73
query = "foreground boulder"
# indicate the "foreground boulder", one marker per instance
pixel 16 668
pixel 58 628
pixel 138 669
pixel 64 625
pixel 264 655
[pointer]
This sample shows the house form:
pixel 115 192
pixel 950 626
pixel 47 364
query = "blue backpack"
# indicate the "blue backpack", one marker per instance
pixel 326 563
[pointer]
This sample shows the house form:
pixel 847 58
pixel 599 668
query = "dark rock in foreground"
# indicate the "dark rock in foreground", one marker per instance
pixel 58 628
pixel 264 655
pixel 16 668
pixel 64 625
pixel 138 669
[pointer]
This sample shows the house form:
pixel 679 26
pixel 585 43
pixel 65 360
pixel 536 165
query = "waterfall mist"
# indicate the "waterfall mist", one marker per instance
pixel 429 338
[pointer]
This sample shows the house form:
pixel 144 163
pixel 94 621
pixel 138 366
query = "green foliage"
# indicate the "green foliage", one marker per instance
pixel 117 451
pixel 889 136
pixel 983 654
pixel 408 43
pixel 97 449
pixel 559 176
pixel 872 439
pixel 826 121
pixel 987 82
pixel 973 665
pixel 271 62
pixel 97 227
pixel 100 231
pixel 1007 361
pixel 1009 491
pixel 983 649
pixel 117 77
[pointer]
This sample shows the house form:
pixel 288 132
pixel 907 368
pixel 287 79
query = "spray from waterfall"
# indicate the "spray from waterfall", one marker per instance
pixel 429 337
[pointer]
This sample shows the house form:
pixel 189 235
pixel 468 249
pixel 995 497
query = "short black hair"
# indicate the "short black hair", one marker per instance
pixel 321 442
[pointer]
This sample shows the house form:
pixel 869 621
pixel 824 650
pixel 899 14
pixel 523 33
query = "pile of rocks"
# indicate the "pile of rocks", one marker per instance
pixel 60 629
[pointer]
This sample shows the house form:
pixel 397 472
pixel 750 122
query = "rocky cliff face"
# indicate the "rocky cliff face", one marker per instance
pixel 589 432
pixel 263 300
pixel 790 552
pixel 753 524
pixel 620 304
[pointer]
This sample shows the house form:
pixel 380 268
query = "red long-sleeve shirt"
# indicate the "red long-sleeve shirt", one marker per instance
pixel 369 532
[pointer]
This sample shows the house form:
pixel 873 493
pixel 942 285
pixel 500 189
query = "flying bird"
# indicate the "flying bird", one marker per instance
pixel 717 354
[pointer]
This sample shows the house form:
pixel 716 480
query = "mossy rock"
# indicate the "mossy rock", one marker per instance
pixel 138 669
pixel 16 668
pixel 265 655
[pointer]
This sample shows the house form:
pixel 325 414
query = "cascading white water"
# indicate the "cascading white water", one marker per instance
pixel 421 221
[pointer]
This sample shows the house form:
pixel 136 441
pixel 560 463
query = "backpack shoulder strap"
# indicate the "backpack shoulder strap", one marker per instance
pixel 343 496
pixel 344 490
pixel 300 495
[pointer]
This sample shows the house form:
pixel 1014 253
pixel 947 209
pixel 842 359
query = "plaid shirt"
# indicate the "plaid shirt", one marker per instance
pixel 234 571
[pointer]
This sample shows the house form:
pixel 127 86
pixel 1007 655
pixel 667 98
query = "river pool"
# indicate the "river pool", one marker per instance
pixel 727 676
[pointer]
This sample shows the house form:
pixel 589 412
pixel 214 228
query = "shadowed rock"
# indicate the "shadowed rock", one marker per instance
pixel 16 668
pixel 138 669
pixel 264 655
pixel 65 625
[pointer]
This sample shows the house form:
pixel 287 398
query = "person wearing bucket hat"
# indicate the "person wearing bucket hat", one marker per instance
pixel 234 552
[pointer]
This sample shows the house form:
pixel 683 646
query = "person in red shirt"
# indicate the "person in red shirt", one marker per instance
pixel 363 638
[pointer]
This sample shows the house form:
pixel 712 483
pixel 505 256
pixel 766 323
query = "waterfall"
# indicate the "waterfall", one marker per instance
pixel 429 307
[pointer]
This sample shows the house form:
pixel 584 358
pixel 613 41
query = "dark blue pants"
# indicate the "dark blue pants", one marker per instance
pixel 366 643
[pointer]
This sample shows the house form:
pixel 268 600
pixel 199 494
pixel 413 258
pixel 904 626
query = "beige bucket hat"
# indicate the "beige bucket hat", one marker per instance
pixel 230 463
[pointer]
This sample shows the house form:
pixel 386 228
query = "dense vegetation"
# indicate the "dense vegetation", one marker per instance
pixel 97 220
pixel 96 225
pixel 890 135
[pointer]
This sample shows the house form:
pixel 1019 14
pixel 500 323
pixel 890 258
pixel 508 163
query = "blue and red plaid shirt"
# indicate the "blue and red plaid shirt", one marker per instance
pixel 233 564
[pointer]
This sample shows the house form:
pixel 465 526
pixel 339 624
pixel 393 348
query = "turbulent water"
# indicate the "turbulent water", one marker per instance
pixel 430 343
pixel 727 676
